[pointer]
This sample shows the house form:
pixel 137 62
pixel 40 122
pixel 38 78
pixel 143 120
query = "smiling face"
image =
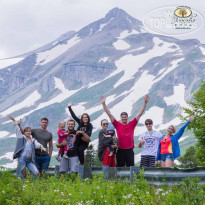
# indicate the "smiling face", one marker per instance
pixel 44 124
pixel 104 124
pixel 149 124
pixel 171 130
pixel 71 125
pixel 124 119
pixel 27 132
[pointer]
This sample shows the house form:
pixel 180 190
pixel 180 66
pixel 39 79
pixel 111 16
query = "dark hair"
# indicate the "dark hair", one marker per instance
pixel 81 119
pixel 123 113
pixel 44 118
pixel 148 121
pixel 102 121
pixel 71 121
pixel 26 129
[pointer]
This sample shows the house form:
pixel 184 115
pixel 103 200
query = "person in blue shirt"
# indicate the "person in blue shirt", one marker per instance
pixel 168 149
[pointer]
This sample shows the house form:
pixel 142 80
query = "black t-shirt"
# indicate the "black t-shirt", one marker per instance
pixel 73 141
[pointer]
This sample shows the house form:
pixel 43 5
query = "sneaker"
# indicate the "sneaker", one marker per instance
pixel 58 158
pixel 65 156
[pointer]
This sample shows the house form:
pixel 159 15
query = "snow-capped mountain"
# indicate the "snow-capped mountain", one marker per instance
pixel 114 57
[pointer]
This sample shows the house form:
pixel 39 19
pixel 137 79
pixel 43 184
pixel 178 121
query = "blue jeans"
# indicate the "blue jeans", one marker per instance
pixel 25 162
pixel 42 163
pixel 164 157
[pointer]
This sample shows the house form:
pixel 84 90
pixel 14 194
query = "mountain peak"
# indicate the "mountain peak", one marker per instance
pixel 116 12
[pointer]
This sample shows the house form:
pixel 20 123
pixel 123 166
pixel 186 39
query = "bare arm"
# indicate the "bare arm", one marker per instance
pixel 146 100
pixel 141 143
pixel 62 144
pixel 50 148
pixel 102 99
pixel 85 137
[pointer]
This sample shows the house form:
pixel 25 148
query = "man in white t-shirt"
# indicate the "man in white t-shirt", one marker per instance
pixel 149 141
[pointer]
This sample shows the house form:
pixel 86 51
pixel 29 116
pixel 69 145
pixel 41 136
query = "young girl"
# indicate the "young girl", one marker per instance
pixel 25 149
pixel 84 130
pixel 62 135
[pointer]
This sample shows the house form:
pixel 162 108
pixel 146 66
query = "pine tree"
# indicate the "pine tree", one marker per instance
pixel 197 108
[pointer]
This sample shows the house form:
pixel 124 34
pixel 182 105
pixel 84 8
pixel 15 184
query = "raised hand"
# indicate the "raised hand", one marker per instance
pixel 191 118
pixel 70 104
pixel 11 118
pixel 102 99
pixel 19 122
pixel 146 99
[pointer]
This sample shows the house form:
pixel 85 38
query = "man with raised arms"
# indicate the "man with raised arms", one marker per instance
pixel 125 134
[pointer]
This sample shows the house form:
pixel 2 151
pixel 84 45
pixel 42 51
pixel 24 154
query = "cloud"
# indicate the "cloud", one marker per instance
pixel 28 24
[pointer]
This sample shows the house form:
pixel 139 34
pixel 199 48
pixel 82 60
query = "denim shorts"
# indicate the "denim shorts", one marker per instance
pixel 164 157
pixel 42 163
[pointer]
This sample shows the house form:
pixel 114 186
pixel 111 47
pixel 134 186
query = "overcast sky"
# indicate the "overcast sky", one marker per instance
pixel 29 24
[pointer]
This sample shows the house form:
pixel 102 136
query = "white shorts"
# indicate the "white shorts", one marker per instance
pixel 71 164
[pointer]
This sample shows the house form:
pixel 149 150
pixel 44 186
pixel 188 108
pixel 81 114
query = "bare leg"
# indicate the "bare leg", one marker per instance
pixel 168 163
pixel 163 164
pixel 23 172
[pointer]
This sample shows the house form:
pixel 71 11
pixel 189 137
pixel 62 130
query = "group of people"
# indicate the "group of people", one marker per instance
pixel 115 147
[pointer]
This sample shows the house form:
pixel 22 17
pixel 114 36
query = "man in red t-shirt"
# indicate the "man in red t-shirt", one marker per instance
pixel 125 134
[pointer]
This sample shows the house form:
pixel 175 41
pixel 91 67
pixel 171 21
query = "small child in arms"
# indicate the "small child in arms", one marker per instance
pixel 62 135
pixel 111 133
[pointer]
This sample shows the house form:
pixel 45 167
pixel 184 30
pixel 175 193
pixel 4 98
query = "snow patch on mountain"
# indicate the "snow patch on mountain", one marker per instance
pixel 49 55
pixel 176 121
pixel 58 99
pixel 8 62
pixel 3 134
pixel 155 113
pixel 104 59
pixel 177 97
pixel 126 33
pixel 130 64
pixel 8 155
pixel 11 165
pixel 59 84
pixel 29 101
pixel 202 50
pixel 103 25
pixel 165 71
pixel 137 49
pixel 183 138
pixel 121 45
pixel 137 157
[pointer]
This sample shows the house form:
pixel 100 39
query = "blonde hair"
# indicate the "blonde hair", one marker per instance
pixel 174 129
pixel 61 125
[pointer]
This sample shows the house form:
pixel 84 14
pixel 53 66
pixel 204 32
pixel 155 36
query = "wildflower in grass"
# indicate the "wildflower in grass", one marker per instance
pixel 3 192
pixel 163 194
pixel 147 192
pixel 62 193
pixel 98 187
pixel 70 194
pixel 56 190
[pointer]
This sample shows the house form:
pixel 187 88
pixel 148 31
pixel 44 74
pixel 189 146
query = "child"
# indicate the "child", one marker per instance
pixel 25 149
pixel 62 135
pixel 111 133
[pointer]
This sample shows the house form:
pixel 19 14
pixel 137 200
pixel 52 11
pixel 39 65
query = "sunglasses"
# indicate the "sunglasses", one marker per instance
pixel 148 123
pixel 105 124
